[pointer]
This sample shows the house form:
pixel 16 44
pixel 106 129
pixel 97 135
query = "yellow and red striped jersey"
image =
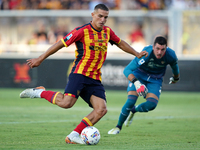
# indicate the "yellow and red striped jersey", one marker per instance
pixel 91 49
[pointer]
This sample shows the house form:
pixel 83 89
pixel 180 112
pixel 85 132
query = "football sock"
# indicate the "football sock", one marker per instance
pixel 131 100
pixel 49 96
pixel 149 105
pixel 84 123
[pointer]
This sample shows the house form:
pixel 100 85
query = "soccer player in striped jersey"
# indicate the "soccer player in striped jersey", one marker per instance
pixel 145 77
pixel 91 42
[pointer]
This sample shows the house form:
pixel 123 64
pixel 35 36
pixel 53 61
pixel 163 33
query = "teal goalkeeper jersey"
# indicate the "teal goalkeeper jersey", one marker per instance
pixel 151 65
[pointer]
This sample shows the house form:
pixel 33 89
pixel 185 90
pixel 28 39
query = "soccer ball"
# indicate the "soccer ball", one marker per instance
pixel 90 135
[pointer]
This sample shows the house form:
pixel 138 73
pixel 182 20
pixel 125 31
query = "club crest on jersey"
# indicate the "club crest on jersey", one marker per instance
pixel 162 62
pixel 141 62
pixel 130 84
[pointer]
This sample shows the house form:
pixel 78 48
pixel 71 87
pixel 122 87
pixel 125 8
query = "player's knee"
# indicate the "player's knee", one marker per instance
pixel 101 112
pixel 67 102
pixel 67 105
pixel 104 111
pixel 151 104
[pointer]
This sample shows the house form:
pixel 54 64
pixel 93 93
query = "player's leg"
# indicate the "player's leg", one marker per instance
pixel 131 100
pixel 130 103
pixel 94 94
pixel 154 89
pixel 99 110
pixel 149 105
pixel 53 97
pixel 66 100
pixel 152 98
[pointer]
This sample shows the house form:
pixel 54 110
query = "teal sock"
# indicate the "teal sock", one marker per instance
pixel 149 105
pixel 131 100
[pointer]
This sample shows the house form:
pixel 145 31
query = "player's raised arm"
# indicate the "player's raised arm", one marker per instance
pixel 176 74
pixel 35 62
pixel 127 48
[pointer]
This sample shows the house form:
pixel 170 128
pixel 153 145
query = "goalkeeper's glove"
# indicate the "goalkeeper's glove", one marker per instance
pixel 140 88
pixel 173 80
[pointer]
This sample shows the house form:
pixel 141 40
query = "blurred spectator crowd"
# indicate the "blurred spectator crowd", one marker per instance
pixel 55 4
pixel 43 30
pixel 89 4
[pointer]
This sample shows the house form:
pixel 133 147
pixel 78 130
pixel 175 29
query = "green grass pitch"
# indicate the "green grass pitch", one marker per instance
pixel 36 124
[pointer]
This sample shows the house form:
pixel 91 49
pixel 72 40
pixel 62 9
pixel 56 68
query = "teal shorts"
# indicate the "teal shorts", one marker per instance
pixel 153 84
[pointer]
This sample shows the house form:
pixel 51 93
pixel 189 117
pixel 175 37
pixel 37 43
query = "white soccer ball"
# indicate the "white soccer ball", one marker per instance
pixel 90 135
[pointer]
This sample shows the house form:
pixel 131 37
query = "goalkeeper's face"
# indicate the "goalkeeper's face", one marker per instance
pixel 99 18
pixel 159 50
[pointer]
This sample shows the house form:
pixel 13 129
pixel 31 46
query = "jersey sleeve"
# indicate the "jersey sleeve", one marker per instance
pixel 73 36
pixel 175 69
pixel 136 63
pixel 174 63
pixel 114 39
pixel 173 58
pixel 142 60
pixel 130 67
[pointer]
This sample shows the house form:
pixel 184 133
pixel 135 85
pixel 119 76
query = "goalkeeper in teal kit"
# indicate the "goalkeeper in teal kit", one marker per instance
pixel 145 77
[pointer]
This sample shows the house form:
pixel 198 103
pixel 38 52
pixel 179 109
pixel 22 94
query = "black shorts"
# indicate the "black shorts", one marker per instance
pixel 80 85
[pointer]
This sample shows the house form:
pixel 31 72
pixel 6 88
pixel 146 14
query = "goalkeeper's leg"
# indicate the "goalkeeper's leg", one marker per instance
pixel 149 105
pixel 126 110
pixel 131 100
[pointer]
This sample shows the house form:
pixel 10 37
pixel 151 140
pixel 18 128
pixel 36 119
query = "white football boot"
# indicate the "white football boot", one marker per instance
pixel 74 138
pixel 129 119
pixel 115 130
pixel 32 93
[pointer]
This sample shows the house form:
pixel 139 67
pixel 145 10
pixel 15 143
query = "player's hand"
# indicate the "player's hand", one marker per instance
pixel 140 88
pixel 142 53
pixel 33 62
pixel 173 80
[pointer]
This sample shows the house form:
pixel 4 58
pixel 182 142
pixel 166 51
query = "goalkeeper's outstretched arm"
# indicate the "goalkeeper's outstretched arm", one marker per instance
pixel 176 74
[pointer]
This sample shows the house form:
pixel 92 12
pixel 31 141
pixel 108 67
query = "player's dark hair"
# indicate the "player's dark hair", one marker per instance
pixel 160 40
pixel 101 6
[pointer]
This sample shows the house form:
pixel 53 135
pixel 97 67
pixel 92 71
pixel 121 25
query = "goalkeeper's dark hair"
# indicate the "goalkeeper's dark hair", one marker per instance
pixel 160 40
pixel 101 6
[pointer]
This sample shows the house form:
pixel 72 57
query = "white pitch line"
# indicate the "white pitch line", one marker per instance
pixel 105 118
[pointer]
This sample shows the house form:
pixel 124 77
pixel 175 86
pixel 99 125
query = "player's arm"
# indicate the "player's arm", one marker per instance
pixel 127 48
pixel 176 74
pixel 35 62
pixel 140 88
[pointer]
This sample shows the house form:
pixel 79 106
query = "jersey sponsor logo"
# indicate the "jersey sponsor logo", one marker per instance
pixel 98 48
pixel 69 36
pixel 100 41
pixel 142 61
pixel 153 65
pixel 151 59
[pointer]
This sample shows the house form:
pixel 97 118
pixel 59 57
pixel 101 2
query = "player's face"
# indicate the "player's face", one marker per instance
pixel 159 50
pixel 99 18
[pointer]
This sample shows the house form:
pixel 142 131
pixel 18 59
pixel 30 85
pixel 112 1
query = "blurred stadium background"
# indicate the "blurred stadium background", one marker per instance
pixel 29 27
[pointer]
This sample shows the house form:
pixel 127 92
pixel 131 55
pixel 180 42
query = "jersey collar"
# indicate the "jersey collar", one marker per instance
pixel 94 28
